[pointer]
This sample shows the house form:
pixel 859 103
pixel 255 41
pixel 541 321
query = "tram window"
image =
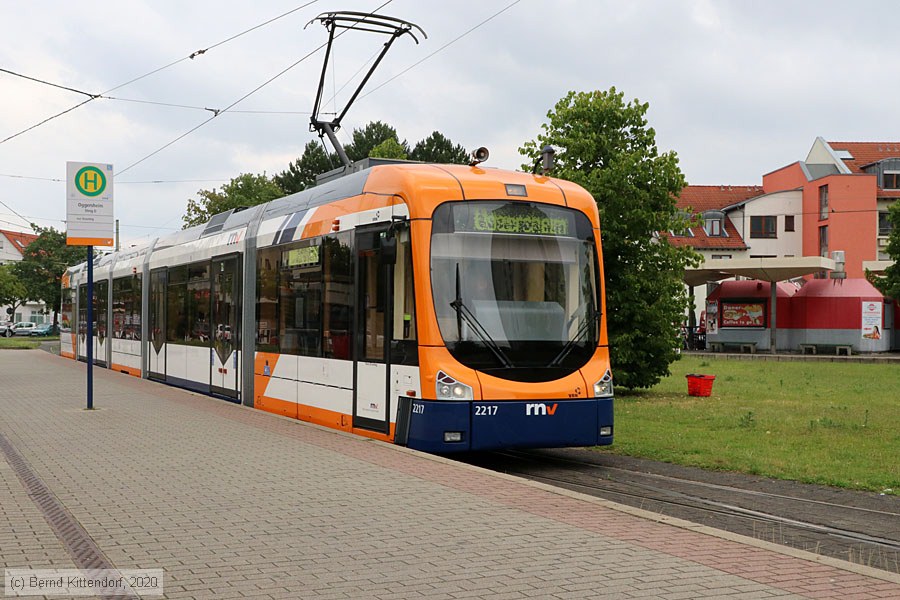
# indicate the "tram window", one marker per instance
pixel 176 301
pixel 127 307
pixel 188 305
pixel 198 304
pixel 101 293
pixel 300 299
pixel 121 305
pixel 82 309
pixel 338 300
pixel 67 309
pixel 404 349
pixel 133 329
pixel 157 308
pixel 267 300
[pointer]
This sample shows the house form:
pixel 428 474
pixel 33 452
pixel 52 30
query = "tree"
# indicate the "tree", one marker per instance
pixel 12 292
pixel 389 148
pixel 245 190
pixel 605 145
pixel 365 139
pixel 438 149
pixel 301 173
pixel 42 266
pixel 890 283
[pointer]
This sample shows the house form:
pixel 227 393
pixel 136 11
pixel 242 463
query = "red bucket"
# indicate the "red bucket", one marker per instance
pixel 700 385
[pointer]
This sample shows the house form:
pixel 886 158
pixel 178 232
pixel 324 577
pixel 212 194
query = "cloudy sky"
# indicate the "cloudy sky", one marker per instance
pixel 735 88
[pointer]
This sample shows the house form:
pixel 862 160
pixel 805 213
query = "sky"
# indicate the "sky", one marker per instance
pixel 736 89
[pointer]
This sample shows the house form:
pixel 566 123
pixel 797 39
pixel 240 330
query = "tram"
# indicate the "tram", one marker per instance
pixel 446 308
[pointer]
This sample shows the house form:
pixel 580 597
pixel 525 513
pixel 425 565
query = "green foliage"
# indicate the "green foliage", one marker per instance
pixel 373 134
pixel 605 145
pixel 890 283
pixel 389 148
pixel 12 290
pixel 438 149
pixel 43 263
pixel 301 173
pixel 244 190
pixel 376 139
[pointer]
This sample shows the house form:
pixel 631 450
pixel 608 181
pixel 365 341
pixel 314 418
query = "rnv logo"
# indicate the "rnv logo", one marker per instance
pixel 540 410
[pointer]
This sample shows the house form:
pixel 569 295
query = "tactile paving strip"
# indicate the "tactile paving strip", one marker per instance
pixel 78 543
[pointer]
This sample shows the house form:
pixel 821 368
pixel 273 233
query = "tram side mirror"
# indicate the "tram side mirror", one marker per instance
pixel 389 250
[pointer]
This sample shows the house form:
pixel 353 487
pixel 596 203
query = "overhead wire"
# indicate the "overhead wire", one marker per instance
pixel 245 96
pixel 448 44
pixel 92 97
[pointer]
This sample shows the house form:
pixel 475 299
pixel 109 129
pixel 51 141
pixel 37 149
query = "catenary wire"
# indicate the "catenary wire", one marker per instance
pixel 448 44
pixel 245 96
pixel 145 75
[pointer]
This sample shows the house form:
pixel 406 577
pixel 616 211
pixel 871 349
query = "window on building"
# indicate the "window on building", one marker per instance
pixel 891 180
pixel 823 241
pixel 789 222
pixel 823 202
pixel 713 227
pixel 686 232
pixel 763 227
pixel 720 256
pixel 714 223
pixel 884 224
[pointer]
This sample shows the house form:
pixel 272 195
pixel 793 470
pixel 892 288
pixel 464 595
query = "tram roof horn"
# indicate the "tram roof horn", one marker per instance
pixel 359 21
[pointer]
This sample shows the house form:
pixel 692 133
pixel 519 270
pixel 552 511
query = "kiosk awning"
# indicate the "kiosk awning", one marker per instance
pixel 764 269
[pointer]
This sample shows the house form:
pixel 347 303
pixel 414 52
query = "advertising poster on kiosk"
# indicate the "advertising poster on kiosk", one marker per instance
pixel 871 320
pixel 743 314
pixel 712 318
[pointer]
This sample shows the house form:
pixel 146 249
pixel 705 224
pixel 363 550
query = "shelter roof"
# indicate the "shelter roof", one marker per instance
pixel 765 269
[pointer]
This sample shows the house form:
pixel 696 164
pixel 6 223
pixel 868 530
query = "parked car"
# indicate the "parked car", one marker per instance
pixel 23 328
pixel 43 330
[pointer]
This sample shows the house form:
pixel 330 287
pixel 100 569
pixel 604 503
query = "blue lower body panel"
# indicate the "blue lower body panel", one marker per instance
pixel 439 426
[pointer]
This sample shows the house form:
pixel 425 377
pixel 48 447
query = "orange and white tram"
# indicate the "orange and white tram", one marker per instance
pixel 442 307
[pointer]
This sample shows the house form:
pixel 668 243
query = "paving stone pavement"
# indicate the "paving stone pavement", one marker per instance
pixel 235 503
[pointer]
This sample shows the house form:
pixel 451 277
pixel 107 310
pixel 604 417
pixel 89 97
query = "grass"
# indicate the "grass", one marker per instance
pixel 20 343
pixel 830 423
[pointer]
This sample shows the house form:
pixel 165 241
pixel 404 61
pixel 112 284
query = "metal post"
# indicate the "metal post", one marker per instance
pixel 773 302
pixel 90 328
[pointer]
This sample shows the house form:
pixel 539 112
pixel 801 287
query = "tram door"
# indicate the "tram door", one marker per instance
pixel 156 345
pixel 371 402
pixel 224 354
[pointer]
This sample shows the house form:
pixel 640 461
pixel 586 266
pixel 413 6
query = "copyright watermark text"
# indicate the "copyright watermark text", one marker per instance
pixel 83 582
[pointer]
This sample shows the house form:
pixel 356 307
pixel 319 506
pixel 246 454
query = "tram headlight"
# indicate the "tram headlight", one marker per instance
pixel 448 388
pixel 604 387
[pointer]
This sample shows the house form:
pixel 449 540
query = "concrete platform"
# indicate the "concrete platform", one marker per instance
pixel 233 503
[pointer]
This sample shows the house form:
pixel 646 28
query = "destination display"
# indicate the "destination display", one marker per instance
pixel 302 257
pixel 514 218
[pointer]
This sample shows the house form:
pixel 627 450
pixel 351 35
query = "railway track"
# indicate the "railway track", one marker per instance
pixel 859 527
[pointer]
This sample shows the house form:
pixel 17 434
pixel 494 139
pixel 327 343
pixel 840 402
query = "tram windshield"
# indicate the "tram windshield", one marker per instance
pixel 515 287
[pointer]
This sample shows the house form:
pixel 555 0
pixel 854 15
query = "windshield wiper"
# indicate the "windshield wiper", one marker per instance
pixel 590 321
pixel 464 314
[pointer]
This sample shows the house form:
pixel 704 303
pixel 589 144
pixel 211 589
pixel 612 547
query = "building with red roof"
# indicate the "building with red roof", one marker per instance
pixel 837 199
pixel 12 249
pixel 13 244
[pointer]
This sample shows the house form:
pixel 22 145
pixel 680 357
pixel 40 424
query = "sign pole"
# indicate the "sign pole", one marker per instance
pixel 90 328
pixel 89 222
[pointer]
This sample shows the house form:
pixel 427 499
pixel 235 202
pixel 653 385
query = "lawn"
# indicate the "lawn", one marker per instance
pixel 19 343
pixel 831 423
